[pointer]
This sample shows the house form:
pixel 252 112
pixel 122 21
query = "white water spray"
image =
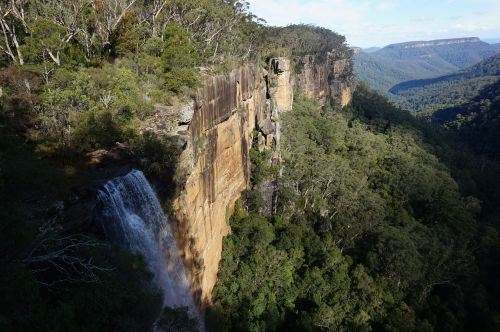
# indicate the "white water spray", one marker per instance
pixel 132 217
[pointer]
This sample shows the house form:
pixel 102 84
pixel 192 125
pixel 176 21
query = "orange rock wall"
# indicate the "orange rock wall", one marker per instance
pixel 323 79
pixel 214 167
pixel 217 167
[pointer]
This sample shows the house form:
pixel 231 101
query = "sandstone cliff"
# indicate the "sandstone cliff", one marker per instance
pixel 215 162
pixel 324 80
pixel 214 167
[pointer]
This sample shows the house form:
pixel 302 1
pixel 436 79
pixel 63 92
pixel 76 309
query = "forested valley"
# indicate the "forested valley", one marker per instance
pixel 428 78
pixel 382 221
pixel 384 224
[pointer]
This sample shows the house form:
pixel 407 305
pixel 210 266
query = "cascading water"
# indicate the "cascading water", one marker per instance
pixel 132 217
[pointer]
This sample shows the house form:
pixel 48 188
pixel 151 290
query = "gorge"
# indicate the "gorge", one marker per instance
pixel 226 114
pixel 181 165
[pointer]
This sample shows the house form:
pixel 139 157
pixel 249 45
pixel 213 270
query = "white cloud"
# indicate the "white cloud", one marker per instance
pixel 387 5
pixel 283 12
pixel 342 16
pixel 380 22
pixel 424 19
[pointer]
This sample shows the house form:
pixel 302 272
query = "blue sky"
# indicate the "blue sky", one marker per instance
pixel 377 23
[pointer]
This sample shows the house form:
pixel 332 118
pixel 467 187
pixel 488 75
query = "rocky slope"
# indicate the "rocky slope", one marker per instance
pixel 219 129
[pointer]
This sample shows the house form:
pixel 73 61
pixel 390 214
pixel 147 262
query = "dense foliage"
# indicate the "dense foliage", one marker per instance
pixel 306 39
pixel 475 127
pixel 476 121
pixel 372 233
pixel 442 98
pixel 429 98
pixel 379 74
pixel 84 31
pixel 86 74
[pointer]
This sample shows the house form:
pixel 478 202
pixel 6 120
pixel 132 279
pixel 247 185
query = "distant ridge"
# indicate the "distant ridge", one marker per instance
pixel 437 42
pixel 420 60
pixel 491 40
pixel 372 49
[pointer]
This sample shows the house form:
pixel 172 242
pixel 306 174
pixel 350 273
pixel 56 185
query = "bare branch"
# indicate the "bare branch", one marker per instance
pixel 62 257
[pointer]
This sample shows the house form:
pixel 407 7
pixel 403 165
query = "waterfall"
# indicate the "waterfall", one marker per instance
pixel 133 218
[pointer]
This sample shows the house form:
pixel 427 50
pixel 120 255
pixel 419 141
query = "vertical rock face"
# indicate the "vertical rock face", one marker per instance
pixel 325 79
pixel 217 169
pixel 281 84
pixel 341 82
pixel 312 77
pixel 214 167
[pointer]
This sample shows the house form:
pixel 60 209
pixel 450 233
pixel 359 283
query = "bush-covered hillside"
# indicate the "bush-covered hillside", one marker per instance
pixel 373 232
pixel 403 66
pixel 476 121
pixel 488 67
pixel 430 98
pixel 426 96
pixel 379 74
pixel 86 73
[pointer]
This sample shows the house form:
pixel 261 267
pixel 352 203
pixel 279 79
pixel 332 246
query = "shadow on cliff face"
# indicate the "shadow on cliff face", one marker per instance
pixel 194 264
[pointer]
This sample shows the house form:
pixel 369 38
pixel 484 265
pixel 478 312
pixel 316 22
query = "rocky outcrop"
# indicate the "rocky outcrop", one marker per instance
pixel 356 50
pixel 281 84
pixel 214 166
pixel 341 83
pixel 312 77
pixel 323 80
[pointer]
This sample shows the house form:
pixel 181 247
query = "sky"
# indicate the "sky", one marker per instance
pixel 367 23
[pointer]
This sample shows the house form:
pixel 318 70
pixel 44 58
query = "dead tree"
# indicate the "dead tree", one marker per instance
pixel 55 258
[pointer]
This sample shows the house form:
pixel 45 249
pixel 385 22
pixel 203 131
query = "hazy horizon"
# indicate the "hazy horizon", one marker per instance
pixel 369 23
pixel 486 40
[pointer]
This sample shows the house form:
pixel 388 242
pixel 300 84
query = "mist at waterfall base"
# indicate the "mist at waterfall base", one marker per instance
pixel 132 217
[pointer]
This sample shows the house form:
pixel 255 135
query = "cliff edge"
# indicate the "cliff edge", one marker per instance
pixel 214 167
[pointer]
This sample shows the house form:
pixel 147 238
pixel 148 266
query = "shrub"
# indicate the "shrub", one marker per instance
pixel 159 153
pixel 179 59
pixel 99 129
